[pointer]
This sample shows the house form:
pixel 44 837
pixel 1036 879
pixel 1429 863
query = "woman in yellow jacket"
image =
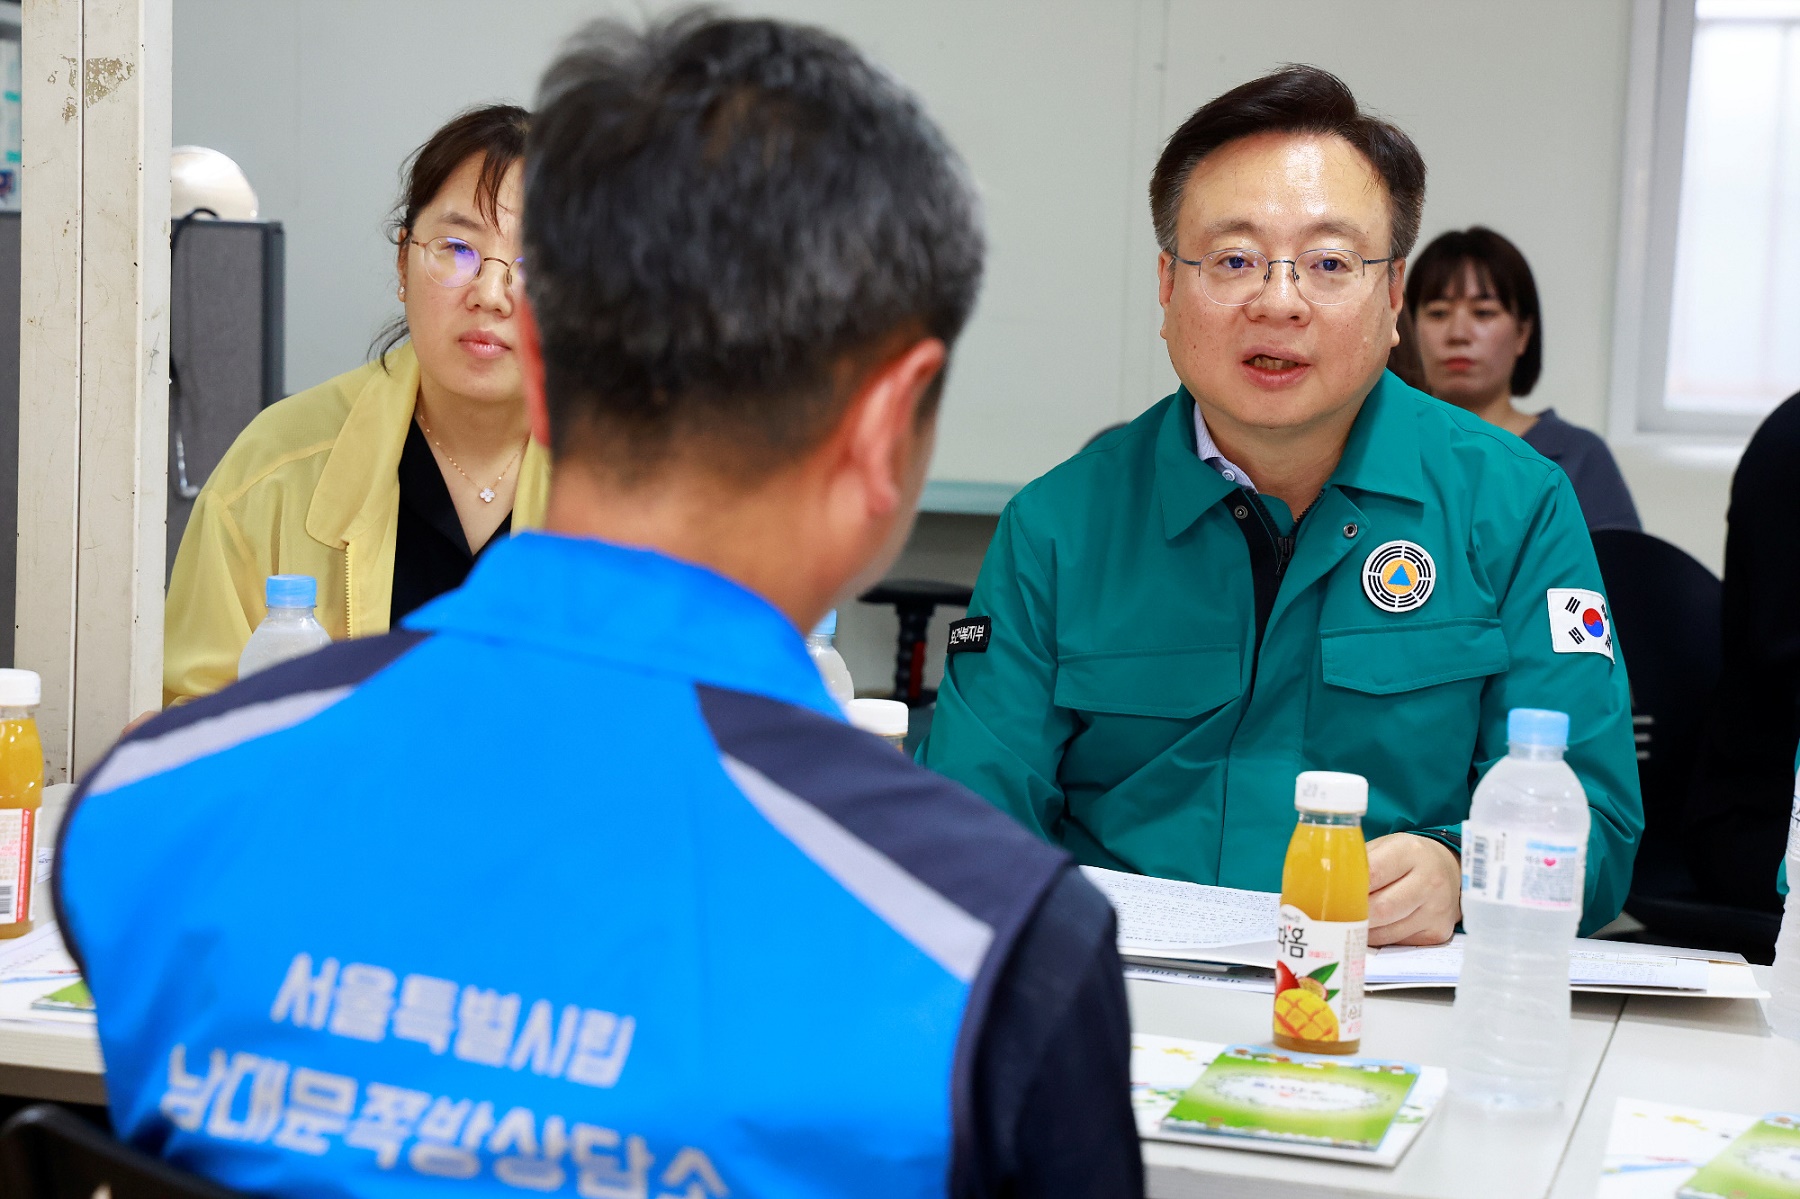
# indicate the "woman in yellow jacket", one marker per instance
pixel 385 483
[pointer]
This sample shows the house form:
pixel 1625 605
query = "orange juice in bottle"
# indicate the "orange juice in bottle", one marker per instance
pixel 21 793
pixel 1324 926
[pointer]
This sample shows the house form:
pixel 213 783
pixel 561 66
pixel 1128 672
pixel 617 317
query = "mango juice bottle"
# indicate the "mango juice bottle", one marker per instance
pixel 21 794
pixel 1323 932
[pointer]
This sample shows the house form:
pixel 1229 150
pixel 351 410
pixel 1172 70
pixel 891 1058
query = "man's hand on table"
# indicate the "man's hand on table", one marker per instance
pixel 1415 890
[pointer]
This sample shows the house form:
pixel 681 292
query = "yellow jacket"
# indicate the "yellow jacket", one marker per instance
pixel 311 487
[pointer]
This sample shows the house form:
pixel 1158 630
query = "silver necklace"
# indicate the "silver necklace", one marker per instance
pixel 486 493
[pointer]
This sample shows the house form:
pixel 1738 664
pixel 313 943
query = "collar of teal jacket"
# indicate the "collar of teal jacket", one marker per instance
pixel 1381 456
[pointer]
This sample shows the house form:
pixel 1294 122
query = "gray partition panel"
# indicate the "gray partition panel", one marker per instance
pixel 226 317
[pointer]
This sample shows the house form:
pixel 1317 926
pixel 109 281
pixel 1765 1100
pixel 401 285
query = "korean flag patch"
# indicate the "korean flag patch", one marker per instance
pixel 1579 622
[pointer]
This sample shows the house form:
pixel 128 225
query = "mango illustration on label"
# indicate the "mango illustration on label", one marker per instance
pixel 1319 979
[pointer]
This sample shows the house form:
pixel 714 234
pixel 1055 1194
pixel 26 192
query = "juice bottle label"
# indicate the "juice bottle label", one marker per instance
pixel 18 842
pixel 1319 977
pixel 1521 868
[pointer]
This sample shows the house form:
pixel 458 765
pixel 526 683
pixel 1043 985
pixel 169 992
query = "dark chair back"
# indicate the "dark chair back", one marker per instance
pixel 49 1153
pixel 1666 611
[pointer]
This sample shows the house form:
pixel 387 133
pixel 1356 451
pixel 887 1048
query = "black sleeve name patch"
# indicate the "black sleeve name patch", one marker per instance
pixel 971 635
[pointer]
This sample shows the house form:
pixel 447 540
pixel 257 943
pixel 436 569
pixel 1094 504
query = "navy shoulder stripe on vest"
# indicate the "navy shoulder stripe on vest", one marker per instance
pixel 946 869
pixel 945 836
pixel 278 698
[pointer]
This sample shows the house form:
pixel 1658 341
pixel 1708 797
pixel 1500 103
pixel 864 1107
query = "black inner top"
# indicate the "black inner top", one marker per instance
pixel 1271 551
pixel 431 552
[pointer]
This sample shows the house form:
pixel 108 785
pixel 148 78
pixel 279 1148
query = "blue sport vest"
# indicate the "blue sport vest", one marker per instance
pixel 578 885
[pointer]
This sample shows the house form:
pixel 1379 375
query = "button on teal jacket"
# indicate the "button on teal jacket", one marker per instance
pixel 1123 710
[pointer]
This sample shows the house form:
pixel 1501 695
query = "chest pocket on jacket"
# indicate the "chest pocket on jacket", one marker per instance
pixel 1413 656
pixel 1174 684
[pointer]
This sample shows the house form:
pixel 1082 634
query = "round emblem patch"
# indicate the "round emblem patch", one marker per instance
pixel 1397 576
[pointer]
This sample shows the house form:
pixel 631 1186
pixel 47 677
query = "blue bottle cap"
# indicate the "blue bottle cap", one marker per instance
pixel 291 591
pixel 1538 726
pixel 828 626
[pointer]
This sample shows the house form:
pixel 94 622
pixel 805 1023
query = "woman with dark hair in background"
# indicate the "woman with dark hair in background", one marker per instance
pixel 1403 359
pixel 1474 304
pixel 386 483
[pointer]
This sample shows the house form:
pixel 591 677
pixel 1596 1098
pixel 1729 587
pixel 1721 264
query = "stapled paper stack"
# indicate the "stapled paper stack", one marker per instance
pixel 1222 936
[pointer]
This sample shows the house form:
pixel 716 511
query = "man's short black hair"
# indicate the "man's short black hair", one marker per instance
pixel 1295 99
pixel 1500 272
pixel 725 220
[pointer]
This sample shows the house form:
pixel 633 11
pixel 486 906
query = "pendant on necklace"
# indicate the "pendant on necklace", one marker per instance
pixel 486 494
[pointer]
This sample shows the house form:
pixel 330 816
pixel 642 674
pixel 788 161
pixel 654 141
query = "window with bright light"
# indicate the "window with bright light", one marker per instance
pixel 1734 327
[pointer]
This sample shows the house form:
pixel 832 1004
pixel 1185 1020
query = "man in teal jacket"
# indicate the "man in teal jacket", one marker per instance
pixel 1295 562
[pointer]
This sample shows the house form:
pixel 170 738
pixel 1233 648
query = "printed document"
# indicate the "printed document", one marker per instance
pixel 1162 916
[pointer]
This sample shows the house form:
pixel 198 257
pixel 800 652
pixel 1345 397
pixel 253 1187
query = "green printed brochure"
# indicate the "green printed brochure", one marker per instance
pixel 1763 1163
pixel 73 998
pixel 1254 1091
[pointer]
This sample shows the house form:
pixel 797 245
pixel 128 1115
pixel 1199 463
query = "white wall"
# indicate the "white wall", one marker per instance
pixel 320 102
pixel 1060 106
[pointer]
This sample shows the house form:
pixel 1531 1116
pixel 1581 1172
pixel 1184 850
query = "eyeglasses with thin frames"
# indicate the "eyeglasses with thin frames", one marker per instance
pixel 453 262
pixel 1236 277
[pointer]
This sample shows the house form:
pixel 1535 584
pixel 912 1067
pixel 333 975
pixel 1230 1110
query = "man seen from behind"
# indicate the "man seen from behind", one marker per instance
pixel 578 883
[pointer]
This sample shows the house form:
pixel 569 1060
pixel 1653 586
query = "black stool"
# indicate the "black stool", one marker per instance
pixel 914 601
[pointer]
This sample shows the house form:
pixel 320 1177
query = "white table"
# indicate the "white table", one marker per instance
pixel 1459 1152
pixel 59 1062
pixel 1707 1053
pixel 1716 1054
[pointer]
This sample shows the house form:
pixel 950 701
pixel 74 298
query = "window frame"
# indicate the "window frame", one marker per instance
pixel 1656 107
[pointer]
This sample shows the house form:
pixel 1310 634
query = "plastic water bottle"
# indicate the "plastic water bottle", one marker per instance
pixel 289 629
pixel 1784 1008
pixel 1524 860
pixel 821 644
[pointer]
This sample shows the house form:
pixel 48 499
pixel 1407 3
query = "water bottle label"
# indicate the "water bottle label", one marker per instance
pixel 1522 868
pixel 1319 977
